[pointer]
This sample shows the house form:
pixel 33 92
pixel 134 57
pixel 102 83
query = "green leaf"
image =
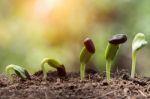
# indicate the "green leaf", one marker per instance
pixel 85 56
pixel 139 42
pixel 51 62
pixel 20 71
pixel 111 51
pixel 54 63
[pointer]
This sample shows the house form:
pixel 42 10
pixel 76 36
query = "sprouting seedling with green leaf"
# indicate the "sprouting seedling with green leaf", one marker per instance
pixel 20 71
pixel 61 71
pixel 111 51
pixel 138 43
pixel 87 51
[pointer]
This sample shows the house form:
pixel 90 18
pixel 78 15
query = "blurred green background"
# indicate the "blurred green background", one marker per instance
pixel 31 30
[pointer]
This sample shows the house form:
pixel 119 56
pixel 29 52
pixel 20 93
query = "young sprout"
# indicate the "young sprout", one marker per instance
pixel 55 64
pixel 138 43
pixel 20 71
pixel 112 49
pixel 87 51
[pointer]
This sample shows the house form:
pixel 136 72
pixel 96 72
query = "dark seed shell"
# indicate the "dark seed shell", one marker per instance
pixel 27 74
pixel 61 71
pixel 88 43
pixel 118 39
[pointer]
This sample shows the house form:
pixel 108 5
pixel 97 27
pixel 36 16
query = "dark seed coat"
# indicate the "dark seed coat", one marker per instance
pixel 89 45
pixel 118 39
pixel 61 71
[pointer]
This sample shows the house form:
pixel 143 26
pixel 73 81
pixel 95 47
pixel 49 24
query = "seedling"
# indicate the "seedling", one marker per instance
pixel 138 43
pixel 111 51
pixel 87 51
pixel 55 64
pixel 20 71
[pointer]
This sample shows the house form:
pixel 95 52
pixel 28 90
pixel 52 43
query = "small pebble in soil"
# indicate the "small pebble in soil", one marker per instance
pixel 142 83
pixel 2 84
pixel 105 83
pixel 125 77
pixel 121 86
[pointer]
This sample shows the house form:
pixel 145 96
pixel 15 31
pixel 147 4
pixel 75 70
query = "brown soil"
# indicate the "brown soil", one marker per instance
pixel 121 86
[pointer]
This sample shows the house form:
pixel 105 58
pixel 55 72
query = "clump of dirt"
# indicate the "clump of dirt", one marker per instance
pixel 121 86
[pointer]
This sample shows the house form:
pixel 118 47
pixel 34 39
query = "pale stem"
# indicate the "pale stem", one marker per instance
pixel 133 64
pixel 108 68
pixel 44 71
pixel 82 71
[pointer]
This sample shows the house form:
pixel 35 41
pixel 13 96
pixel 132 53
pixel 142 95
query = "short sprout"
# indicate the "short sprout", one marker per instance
pixel 138 43
pixel 20 71
pixel 55 64
pixel 87 51
pixel 112 49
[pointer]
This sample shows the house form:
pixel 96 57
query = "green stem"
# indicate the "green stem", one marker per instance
pixel 133 64
pixel 8 70
pixel 108 68
pixel 82 71
pixel 44 71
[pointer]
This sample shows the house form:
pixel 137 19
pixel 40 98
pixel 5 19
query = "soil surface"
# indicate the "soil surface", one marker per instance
pixel 95 86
